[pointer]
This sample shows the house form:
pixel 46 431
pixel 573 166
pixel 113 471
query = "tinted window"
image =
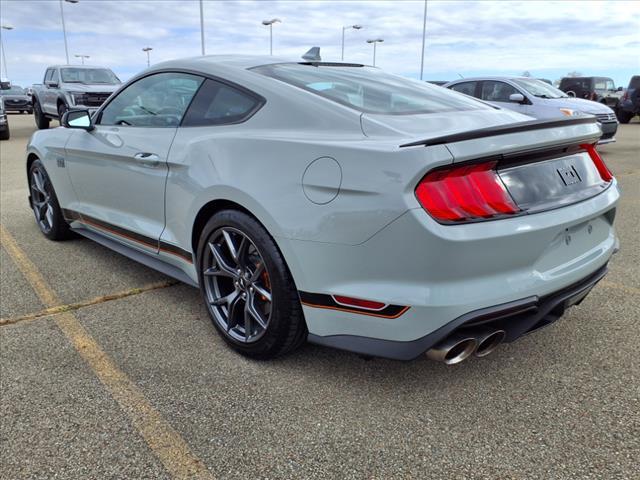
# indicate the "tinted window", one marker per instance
pixel 369 89
pixel 575 84
pixel 468 88
pixel 158 100
pixel 219 104
pixel 493 91
pixel 635 82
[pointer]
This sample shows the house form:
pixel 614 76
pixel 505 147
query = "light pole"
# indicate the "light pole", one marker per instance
pixel 4 58
pixel 202 26
pixel 374 41
pixel 270 23
pixel 424 37
pixel 64 30
pixel 355 27
pixel 82 57
pixel 147 50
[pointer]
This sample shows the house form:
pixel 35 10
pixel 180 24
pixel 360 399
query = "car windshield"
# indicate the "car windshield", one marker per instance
pixel 538 88
pixel 13 91
pixel 89 76
pixel 369 89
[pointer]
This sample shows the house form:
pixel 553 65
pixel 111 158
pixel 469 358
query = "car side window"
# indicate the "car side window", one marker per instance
pixel 493 91
pixel 49 75
pixel 600 84
pixel 218 104
pixel 468 88
pixel 610 85
pixel 158 100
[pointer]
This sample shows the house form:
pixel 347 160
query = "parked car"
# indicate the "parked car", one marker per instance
pixel 71 86
pixel 5 133
pixel 16 100
pixel 629 105
pixel 598 89
pixel 537 99
pixel 335 203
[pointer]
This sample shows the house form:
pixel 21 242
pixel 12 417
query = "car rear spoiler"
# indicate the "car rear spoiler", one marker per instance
pixel 501 130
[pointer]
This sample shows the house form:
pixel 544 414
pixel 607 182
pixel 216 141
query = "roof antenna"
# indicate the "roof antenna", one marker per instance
pixel 313 55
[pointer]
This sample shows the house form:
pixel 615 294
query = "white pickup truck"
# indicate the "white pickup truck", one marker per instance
pixel 71 86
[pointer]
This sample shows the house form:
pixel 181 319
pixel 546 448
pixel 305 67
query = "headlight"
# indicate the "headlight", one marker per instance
pixel 77 97
pixel 569 112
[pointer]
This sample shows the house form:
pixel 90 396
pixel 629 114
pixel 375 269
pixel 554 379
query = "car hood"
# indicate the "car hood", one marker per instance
pixel 16 97
pixel 433 125
pixel 97 88
pixel 579 104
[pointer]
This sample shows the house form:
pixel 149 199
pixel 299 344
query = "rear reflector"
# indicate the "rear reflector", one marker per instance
pixel 359 303
pixel 469 192
pixel 603 170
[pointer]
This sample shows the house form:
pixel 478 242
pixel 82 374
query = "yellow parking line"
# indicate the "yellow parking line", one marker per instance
pixel 94 301
pixel 164 441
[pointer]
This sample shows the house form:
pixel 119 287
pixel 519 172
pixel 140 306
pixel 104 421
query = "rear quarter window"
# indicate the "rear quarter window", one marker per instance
pixel 219 104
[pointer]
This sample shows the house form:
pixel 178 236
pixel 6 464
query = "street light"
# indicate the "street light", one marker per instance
pixel 374 41
pixel 202 26
pixel 64 30
pixel 348 27
pixel 147 50
pixel 424 37
pixel 82 57
pixel 4 59
pixel 270 23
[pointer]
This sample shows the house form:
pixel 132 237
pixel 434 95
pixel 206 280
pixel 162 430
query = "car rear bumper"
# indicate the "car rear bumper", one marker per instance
pixel 516 318
pixel 443 273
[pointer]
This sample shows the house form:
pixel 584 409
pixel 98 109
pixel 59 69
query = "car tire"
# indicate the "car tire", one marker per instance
pixel 42 122
pixel 624 117
pixel 6 134
pixel 261 289
pixel 45 206
pixel 62 108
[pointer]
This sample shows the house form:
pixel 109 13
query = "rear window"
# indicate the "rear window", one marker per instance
pixel 369 89
pixel 635 82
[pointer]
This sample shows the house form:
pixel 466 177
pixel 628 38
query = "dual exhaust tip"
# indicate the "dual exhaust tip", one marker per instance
pixel 459 346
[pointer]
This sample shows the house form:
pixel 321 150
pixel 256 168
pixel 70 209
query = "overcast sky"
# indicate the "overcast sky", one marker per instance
pixel 464 38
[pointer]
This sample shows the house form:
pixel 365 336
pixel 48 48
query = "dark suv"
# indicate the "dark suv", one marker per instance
pixel 629 105
pixel 598 89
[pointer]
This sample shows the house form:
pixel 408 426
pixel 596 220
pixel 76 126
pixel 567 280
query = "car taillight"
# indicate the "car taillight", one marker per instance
pixel 597 160
pixel 358 302
pixel 469 192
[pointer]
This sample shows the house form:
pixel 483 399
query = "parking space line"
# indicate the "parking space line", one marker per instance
pixel 164 441
pixel 87 303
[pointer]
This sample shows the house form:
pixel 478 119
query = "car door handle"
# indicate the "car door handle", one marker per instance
pixel 145 159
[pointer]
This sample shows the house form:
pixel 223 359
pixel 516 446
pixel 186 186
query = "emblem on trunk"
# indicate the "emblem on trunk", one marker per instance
pixel 569 175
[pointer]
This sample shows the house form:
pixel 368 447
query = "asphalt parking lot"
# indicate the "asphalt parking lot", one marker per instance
pixel 111 370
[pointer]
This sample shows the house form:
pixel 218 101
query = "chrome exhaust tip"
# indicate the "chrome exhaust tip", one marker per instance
pixel 488 341
pixel 453 349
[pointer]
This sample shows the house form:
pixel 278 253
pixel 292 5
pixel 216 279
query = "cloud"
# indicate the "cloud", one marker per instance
pixel 462 36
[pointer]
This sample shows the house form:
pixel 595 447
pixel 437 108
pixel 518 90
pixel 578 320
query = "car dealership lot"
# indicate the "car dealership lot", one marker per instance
pixel 142 386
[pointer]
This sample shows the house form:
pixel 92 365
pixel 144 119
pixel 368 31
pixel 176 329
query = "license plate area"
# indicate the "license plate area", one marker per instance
pixel 553 183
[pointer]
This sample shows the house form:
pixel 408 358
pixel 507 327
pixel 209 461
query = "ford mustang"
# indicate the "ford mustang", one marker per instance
pixel 335 203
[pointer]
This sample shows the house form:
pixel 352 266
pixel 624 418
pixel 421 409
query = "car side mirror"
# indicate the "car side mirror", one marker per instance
pixel 51 84
pixel 619 89
pixel 80 119
pixel 516 98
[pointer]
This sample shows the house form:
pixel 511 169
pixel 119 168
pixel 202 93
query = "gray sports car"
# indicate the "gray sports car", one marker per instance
pixel 335 203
